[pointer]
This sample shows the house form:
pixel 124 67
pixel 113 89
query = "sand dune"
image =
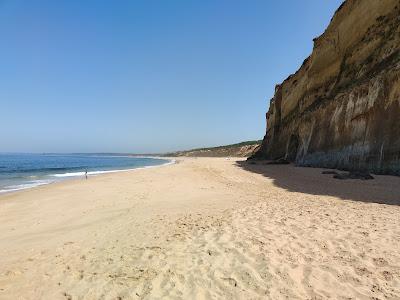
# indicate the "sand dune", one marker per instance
pixel 205 228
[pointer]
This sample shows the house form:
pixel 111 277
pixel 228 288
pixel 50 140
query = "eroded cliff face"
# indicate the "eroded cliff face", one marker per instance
pixel 341 109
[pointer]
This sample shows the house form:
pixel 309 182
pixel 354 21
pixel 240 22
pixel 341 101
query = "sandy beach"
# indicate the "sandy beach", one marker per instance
pixel 203 228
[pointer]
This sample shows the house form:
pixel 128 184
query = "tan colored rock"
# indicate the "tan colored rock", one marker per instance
pixel 341 109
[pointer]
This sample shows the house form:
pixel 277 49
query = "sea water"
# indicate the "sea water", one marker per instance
pixel 23 171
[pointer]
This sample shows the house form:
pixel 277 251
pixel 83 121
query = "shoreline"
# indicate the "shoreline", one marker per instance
pixel 77 175
pixel 203 228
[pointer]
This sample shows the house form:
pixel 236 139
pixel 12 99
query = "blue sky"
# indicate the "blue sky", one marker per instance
pixel 146 76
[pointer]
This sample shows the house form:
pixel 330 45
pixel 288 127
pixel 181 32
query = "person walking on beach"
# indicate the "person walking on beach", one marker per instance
pixel 86 174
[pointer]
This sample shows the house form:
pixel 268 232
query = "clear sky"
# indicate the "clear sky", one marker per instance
pixel 146 76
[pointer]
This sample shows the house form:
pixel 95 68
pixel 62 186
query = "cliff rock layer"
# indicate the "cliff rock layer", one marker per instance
pixel 341 109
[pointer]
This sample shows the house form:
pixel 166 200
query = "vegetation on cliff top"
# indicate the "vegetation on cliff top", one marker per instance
pixel 242 149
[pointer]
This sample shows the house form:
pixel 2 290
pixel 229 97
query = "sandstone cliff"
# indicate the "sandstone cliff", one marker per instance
pixel 341 109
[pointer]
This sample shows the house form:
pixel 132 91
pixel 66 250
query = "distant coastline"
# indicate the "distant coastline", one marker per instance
pixel 242 149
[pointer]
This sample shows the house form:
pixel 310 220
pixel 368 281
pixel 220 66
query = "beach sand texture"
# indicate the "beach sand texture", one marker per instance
pixel 206 228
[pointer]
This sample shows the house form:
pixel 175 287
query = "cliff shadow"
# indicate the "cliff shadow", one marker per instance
pixel 382 189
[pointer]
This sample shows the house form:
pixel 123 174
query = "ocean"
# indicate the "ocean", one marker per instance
pixel 23 171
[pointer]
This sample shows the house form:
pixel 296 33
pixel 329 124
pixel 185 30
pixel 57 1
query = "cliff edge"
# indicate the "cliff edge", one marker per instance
pixel 341 109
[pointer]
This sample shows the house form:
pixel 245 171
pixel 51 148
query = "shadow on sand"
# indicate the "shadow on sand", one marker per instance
pixel 382 189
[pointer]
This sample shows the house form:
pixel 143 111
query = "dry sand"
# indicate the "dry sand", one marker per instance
pixel 204 228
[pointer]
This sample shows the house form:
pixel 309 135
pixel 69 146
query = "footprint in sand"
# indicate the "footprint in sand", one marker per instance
pixel 379 262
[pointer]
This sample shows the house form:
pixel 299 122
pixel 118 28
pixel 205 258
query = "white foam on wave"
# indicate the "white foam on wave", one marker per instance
pixel 72 174
pixel 24 186
pixel 91 173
